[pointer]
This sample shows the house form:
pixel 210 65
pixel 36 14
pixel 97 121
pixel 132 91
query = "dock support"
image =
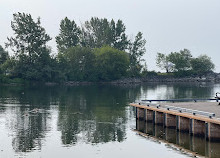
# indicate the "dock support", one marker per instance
pixel 193 124
pixel 170 121
pixel 150 116
pixel 159 118
pixel 183 124
pixel 214 131
pixel 140 113
pixel 198 127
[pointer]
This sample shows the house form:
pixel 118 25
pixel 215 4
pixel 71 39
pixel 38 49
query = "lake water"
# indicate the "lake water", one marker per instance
pixel 93 121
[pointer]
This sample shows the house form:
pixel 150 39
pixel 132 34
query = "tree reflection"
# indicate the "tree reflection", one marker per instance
pixel 93 114
pixel 89 114
pixel 29 131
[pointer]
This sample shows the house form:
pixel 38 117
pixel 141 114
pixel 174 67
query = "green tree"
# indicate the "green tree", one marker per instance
pixel 111 63
pixel 136 51
pixel 3 55
pixel 181 60
pixel 120 40
pixel 162 61
pixel 29 44
pixel 78 64
pixel 69 35
pixel 100 32
pixel 202 64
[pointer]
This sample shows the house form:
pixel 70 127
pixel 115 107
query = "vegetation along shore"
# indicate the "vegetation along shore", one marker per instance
pixel 97 51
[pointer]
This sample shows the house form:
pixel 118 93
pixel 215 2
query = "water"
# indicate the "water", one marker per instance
pixel 87 121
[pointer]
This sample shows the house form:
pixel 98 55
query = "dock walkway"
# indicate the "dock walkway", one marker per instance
pixel 211 107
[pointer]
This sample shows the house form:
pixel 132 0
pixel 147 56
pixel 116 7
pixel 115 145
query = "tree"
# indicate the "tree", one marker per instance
pixel 111 63
pixel 3 55
pixel 3 59
pixel 69 35
pixel 181 60
pixel 100 32
pixel 162 61
pixel 120 40
pixel 202 64
pixel 136 51
pixel 29 44
pixel 78 64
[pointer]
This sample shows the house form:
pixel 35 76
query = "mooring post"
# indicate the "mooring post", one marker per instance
pixel 191 126
pixel 177 123
pixel 207 131
pixel 164 119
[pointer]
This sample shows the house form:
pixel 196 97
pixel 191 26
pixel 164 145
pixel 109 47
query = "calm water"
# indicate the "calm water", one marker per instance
pixel 91 121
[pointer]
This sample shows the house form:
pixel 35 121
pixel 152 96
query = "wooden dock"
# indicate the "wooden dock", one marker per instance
pixel 195 124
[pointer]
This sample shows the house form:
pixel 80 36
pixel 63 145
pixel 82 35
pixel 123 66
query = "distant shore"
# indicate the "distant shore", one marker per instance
pixel 214 78
pixel 211 78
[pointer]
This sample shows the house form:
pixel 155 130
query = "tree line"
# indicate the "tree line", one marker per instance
pixel 98 50
pixel 183 63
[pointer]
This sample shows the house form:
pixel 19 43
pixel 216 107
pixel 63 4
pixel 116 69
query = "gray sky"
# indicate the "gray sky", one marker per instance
pixel 168 25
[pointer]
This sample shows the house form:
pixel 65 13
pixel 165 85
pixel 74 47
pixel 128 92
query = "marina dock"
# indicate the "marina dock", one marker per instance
pixel 196 118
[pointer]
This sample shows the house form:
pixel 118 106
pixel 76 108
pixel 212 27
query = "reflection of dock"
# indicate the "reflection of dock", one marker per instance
pixel 185 122
pixel 176 140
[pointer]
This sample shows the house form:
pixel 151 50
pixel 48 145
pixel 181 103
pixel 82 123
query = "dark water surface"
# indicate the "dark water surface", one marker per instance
pixel 90 121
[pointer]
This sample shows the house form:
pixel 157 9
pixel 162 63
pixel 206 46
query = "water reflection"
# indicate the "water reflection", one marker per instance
pixel 178 90
pixel 89 114
pixel 95 115
pixel 29 130
pixel 197 145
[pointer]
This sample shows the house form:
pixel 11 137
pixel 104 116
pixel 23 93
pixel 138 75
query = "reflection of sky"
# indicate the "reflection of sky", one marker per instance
pixel 168 25
pixel 178 91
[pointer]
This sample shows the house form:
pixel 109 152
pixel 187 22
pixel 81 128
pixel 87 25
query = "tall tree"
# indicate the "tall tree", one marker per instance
pixel 3 55
pixel 29 44
pixel 3 58
pixel 69 35
pixel 136 51
pixel 100 32
pixel 120 40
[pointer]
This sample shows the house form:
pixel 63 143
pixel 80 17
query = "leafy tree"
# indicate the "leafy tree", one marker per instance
pixel 111 63
pixel 100 32
pixel 202 64
pixel 3 58
pixel 181 60
pixel 29 44
pixel 162 61
pixel 120 40
pixel 69 35
pixel 78 64
pixel 136 51
pixel 3 55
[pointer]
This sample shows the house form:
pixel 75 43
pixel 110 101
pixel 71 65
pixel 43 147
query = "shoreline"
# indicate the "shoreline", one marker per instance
pixel 214 78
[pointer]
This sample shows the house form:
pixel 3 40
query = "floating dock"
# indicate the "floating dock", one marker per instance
pixel 195 122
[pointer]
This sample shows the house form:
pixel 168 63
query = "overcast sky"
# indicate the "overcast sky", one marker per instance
pixel 167 25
